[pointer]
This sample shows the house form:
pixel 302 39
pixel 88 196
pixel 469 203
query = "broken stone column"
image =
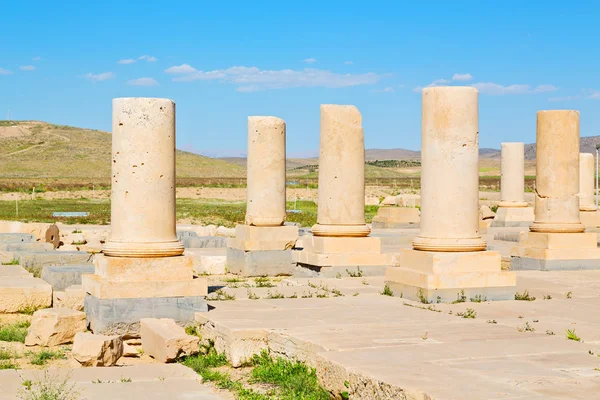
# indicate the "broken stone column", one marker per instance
pixel 142 273
pixel 143 179
pixel 556 240
pixel 449 257
pixel 263 245
pixel 339 239
pixel 587 207
pixel 513 210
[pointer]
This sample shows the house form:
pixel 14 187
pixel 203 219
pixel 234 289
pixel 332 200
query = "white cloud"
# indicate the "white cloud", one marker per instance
pixel 310 60
pixel 38 58
pixel 27 68
pixel 388 89
pixel 180 69
pixel 126 61
pixel 5 71
pixel 252 79
pixel 565 98
pixel 147 58
pixel 437 82
pixel 99 77
pixel 348 62
pixel 142 82
pixel 496 89
pixel 462 77
pixel 592 94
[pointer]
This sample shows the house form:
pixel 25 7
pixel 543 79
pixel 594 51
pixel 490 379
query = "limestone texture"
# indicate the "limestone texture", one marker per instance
pixel 165 341
pixel 97 350
pixel 20 293
pixel 512 175
pixel 54 326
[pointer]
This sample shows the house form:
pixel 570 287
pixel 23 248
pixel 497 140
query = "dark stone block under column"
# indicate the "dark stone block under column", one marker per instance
pixel 63 276
pixel 122 316
pixel 260 262
pixel 535 264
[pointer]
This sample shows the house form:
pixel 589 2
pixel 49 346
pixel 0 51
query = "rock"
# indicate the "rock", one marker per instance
pixel 97 350
pixel 54 326
pixel 130 351
pixel 486 212
pixel 389 201
pixel 20 292
pixel 222 231
pixel 73 298
pixel 371 201
pixel 165 341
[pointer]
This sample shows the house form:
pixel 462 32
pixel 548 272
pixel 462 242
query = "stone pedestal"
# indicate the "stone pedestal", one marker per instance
pixel 588 212
pixel 395 217
pixel 513 210
pixel 261 251
pixel 124 289
pixel 449 254
pixel 556 240
pixel 341 227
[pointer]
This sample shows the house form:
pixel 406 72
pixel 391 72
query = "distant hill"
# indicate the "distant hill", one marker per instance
pixel 34 149
pixel 587 144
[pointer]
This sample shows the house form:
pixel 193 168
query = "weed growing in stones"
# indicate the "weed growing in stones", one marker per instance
pixel 387 291
pixel 252 295
pixel 547 297
pixel 492 321
pixel 294 296
pixel 263 281
pixel 42 357
pixel 274 295
pixel 355 294
pixel 323 295
pixel 235 279
pixel 526 328
pixel 125 380
pixel 14 261
pixel 220 295
pixel 336 293
pixel 524 296
pixel 364 282
pixel 15 332
pixel 192 330
pixel 49 387
pixel 422 297
pixel 308 295
pixel 571 335
pixel 357 274
pixel 478 299
pixel 468 313
pixel 460 297
pixel 549 332
pixel 569 295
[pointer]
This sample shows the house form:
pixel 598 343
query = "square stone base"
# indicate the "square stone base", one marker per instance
pixel 513 217
pixel 395 217
pixel 341 253
pixel 556 251
pixel 591 219
pixel 122 290
pixel 441 277
pixel 63 276
pixel 250 238
pixel 122 316
pixel 260 262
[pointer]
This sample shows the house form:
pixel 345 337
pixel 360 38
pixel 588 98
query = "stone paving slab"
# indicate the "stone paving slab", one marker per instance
pixel 390 348
pixel 152 381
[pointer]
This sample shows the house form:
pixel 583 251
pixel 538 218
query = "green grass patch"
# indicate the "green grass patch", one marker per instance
pixel 42 357
pixel 14 261
pixel 14 332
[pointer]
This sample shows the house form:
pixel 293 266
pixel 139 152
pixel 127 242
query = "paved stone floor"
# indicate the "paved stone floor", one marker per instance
pixel 148 382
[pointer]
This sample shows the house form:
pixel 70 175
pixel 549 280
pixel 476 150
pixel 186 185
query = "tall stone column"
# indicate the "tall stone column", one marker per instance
pixel 341 209
pixel 449 260
pixel 449 171
pixel 512 179
pixel 143 179
pixel 586 182
pixel 266 172
pixel 557 172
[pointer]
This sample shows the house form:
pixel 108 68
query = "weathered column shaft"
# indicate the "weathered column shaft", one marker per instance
pixel 512 180
pixel 450 171
pixel 557 172
pixel 341 209
pixel 143 179
pixel 266 172
pixel 586 182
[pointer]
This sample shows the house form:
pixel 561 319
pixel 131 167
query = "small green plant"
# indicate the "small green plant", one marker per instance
pixel 569 295
pixel 79 243
pixel 422 297
pixel 77 231
pixel 357 274
pixel 492 321
pixel 338 276
pixel 14 261
pixel 221 295
pixel 192 330
pixel 468 313
pixel 355 294
pixel 323 295
pixel 125 380
pixel 438 300
pixel 478 299
pixel 524 296
pixel 387 291
pixel 460 297
pixel 549 332
pixel 235 279
pixel 41 357
pixel 526 328
pixel 308 295
pixel 424 337
pixel 294 296
pixel 571 335
pixel 263 281
pixel 15 332
pixel 336 293
pixel 49 387
pixel 364 282
pixel 252 295
pixel 547 297
pixel 274 295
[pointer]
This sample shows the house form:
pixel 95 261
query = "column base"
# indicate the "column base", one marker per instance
pixel 543 227
pixel 145 250
pixel 452 245
pixel 250 238
pixel 322 253
pixel 591 219
pixel 260 262
pixel 556 252
pixel 395 217
pixel 513 217
pixel 122 290
pixel 443 277
pixel 360 230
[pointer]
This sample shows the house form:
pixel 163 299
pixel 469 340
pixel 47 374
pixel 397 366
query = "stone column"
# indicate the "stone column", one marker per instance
pixel 341 209
pixel 450 171
pixel 266 172
pixel 512 180
pixel 586 182
pixel 143 179
pixel 557 172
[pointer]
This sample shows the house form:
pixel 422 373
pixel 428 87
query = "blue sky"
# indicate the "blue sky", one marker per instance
pixel 64 61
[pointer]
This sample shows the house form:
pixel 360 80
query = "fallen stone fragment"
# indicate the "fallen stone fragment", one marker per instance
pixel 97 350
pixel 165 341
pixel 54 326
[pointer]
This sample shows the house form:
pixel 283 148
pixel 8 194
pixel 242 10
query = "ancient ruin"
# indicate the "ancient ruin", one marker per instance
pixel 587 206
